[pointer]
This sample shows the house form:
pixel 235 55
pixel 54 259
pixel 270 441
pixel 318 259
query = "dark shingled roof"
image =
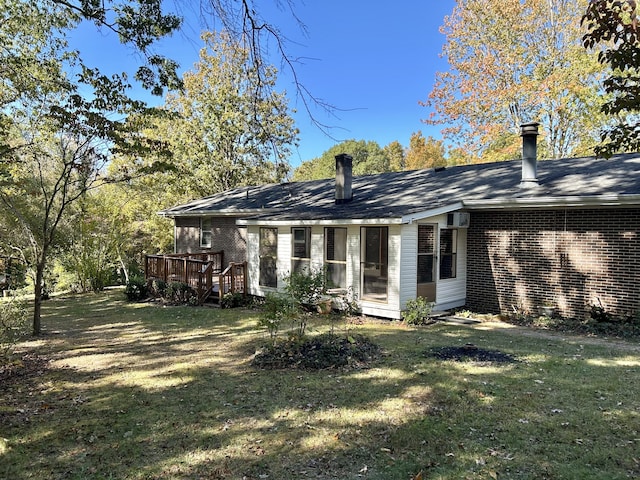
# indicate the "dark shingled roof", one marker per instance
pixel 398 194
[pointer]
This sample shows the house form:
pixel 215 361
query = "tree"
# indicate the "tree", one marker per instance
pixel 424 153
pixel 613 27
pixel 232 128
pixel 221 134
pixel 86 115
pixel 396 155
pixel 513 61
pixel 59 131
pixel 368 158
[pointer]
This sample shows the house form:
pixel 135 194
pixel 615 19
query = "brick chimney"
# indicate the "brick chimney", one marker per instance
pixel 344 167
pixel 529 134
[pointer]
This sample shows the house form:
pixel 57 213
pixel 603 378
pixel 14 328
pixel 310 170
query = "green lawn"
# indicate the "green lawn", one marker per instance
pixel 138 391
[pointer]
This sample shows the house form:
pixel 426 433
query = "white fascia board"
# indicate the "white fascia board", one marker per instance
pixel 213 213
pixel 612 200
pixel 414 217
pixel 310 223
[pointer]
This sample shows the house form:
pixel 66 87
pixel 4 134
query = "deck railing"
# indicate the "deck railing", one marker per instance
pixel 201 271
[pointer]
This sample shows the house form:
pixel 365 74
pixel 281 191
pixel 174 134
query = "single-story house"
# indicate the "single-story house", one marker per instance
pixel 492 237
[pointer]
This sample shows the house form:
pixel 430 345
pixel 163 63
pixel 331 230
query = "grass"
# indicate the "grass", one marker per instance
pixel 137 391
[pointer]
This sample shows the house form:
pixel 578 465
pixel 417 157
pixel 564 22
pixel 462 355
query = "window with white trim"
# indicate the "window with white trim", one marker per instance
pixel 335 256
pixel 374 264
pixel 300 249
pixel 268 257
pixel 205 232
pixel 448 253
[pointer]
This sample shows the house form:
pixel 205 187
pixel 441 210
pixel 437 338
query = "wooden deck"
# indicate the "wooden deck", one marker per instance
pixel 204 272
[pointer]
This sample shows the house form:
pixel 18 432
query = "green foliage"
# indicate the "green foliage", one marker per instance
pixel 180 293
pixel 136 288
pixel 276 310
pixel 368 158
pixel 306 287
pixel 418 311
pixel 233 300
pixel 612 29
pixel 158 288
pixel 14 325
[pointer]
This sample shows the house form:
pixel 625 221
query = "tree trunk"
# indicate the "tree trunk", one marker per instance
pixel 37 301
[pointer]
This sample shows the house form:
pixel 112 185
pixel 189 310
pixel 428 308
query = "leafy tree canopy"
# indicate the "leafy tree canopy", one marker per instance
pixel 424 152
pixel 513 61
pixel 612 27
pixel 368 158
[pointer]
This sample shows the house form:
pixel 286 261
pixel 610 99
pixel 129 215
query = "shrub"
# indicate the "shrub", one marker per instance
pixel 306 287
pixel 136 288
pixel 14 324
pixel 179 292
pixel 418 311
pixel 276 309
pixel 232 300
pixel 158 288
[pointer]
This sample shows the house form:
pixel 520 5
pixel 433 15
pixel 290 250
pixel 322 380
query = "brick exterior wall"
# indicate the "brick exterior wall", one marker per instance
pixel 572 258
pixel 225 235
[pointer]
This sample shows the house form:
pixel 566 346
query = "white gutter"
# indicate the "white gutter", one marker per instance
pixel 309 223
pixel 216 213
pixel 610 200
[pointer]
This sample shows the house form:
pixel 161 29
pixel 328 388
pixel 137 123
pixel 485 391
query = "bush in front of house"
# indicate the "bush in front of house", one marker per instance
pixel 277 310
pixel 306 288
pixel 417 312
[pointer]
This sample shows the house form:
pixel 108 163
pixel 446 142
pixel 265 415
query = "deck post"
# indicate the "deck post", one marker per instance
pixel 244 277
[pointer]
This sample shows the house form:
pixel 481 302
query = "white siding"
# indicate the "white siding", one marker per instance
pixel 452 292
pixel 403 245
pixel 253 260
pixel 408 264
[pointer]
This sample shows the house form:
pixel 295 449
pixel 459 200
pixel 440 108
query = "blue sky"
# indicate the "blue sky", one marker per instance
pixel 373 60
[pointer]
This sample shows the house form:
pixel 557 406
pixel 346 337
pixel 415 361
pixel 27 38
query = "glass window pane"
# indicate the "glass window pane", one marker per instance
pixel 300 266
pixel 374 267
pixel 336 244
pixel 425 268
pixel 268 257
pixel 426 239
pixel 336 275
pixel 301 243
pixel 448 249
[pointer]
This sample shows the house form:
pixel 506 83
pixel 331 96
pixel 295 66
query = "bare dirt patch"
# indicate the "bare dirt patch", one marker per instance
pixel 470 352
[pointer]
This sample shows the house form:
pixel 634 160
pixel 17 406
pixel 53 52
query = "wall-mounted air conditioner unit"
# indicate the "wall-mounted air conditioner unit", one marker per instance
pixel 458 219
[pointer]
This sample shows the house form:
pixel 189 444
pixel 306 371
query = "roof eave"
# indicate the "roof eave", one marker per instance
pixel 608 200
pixel 215 213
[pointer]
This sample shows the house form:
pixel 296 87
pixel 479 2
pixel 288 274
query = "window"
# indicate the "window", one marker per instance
pixel 448 253
pixel 374 263
pixel 268 257
pixel 335 256
pixel 426 253
pixel 205 232
pixel 300 249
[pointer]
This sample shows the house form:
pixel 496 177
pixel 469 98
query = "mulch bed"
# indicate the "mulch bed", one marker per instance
pixel 470 352
pixel 318 353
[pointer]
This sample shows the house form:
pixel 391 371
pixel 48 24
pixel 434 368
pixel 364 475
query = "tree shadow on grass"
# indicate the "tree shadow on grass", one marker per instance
pixel 154 396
